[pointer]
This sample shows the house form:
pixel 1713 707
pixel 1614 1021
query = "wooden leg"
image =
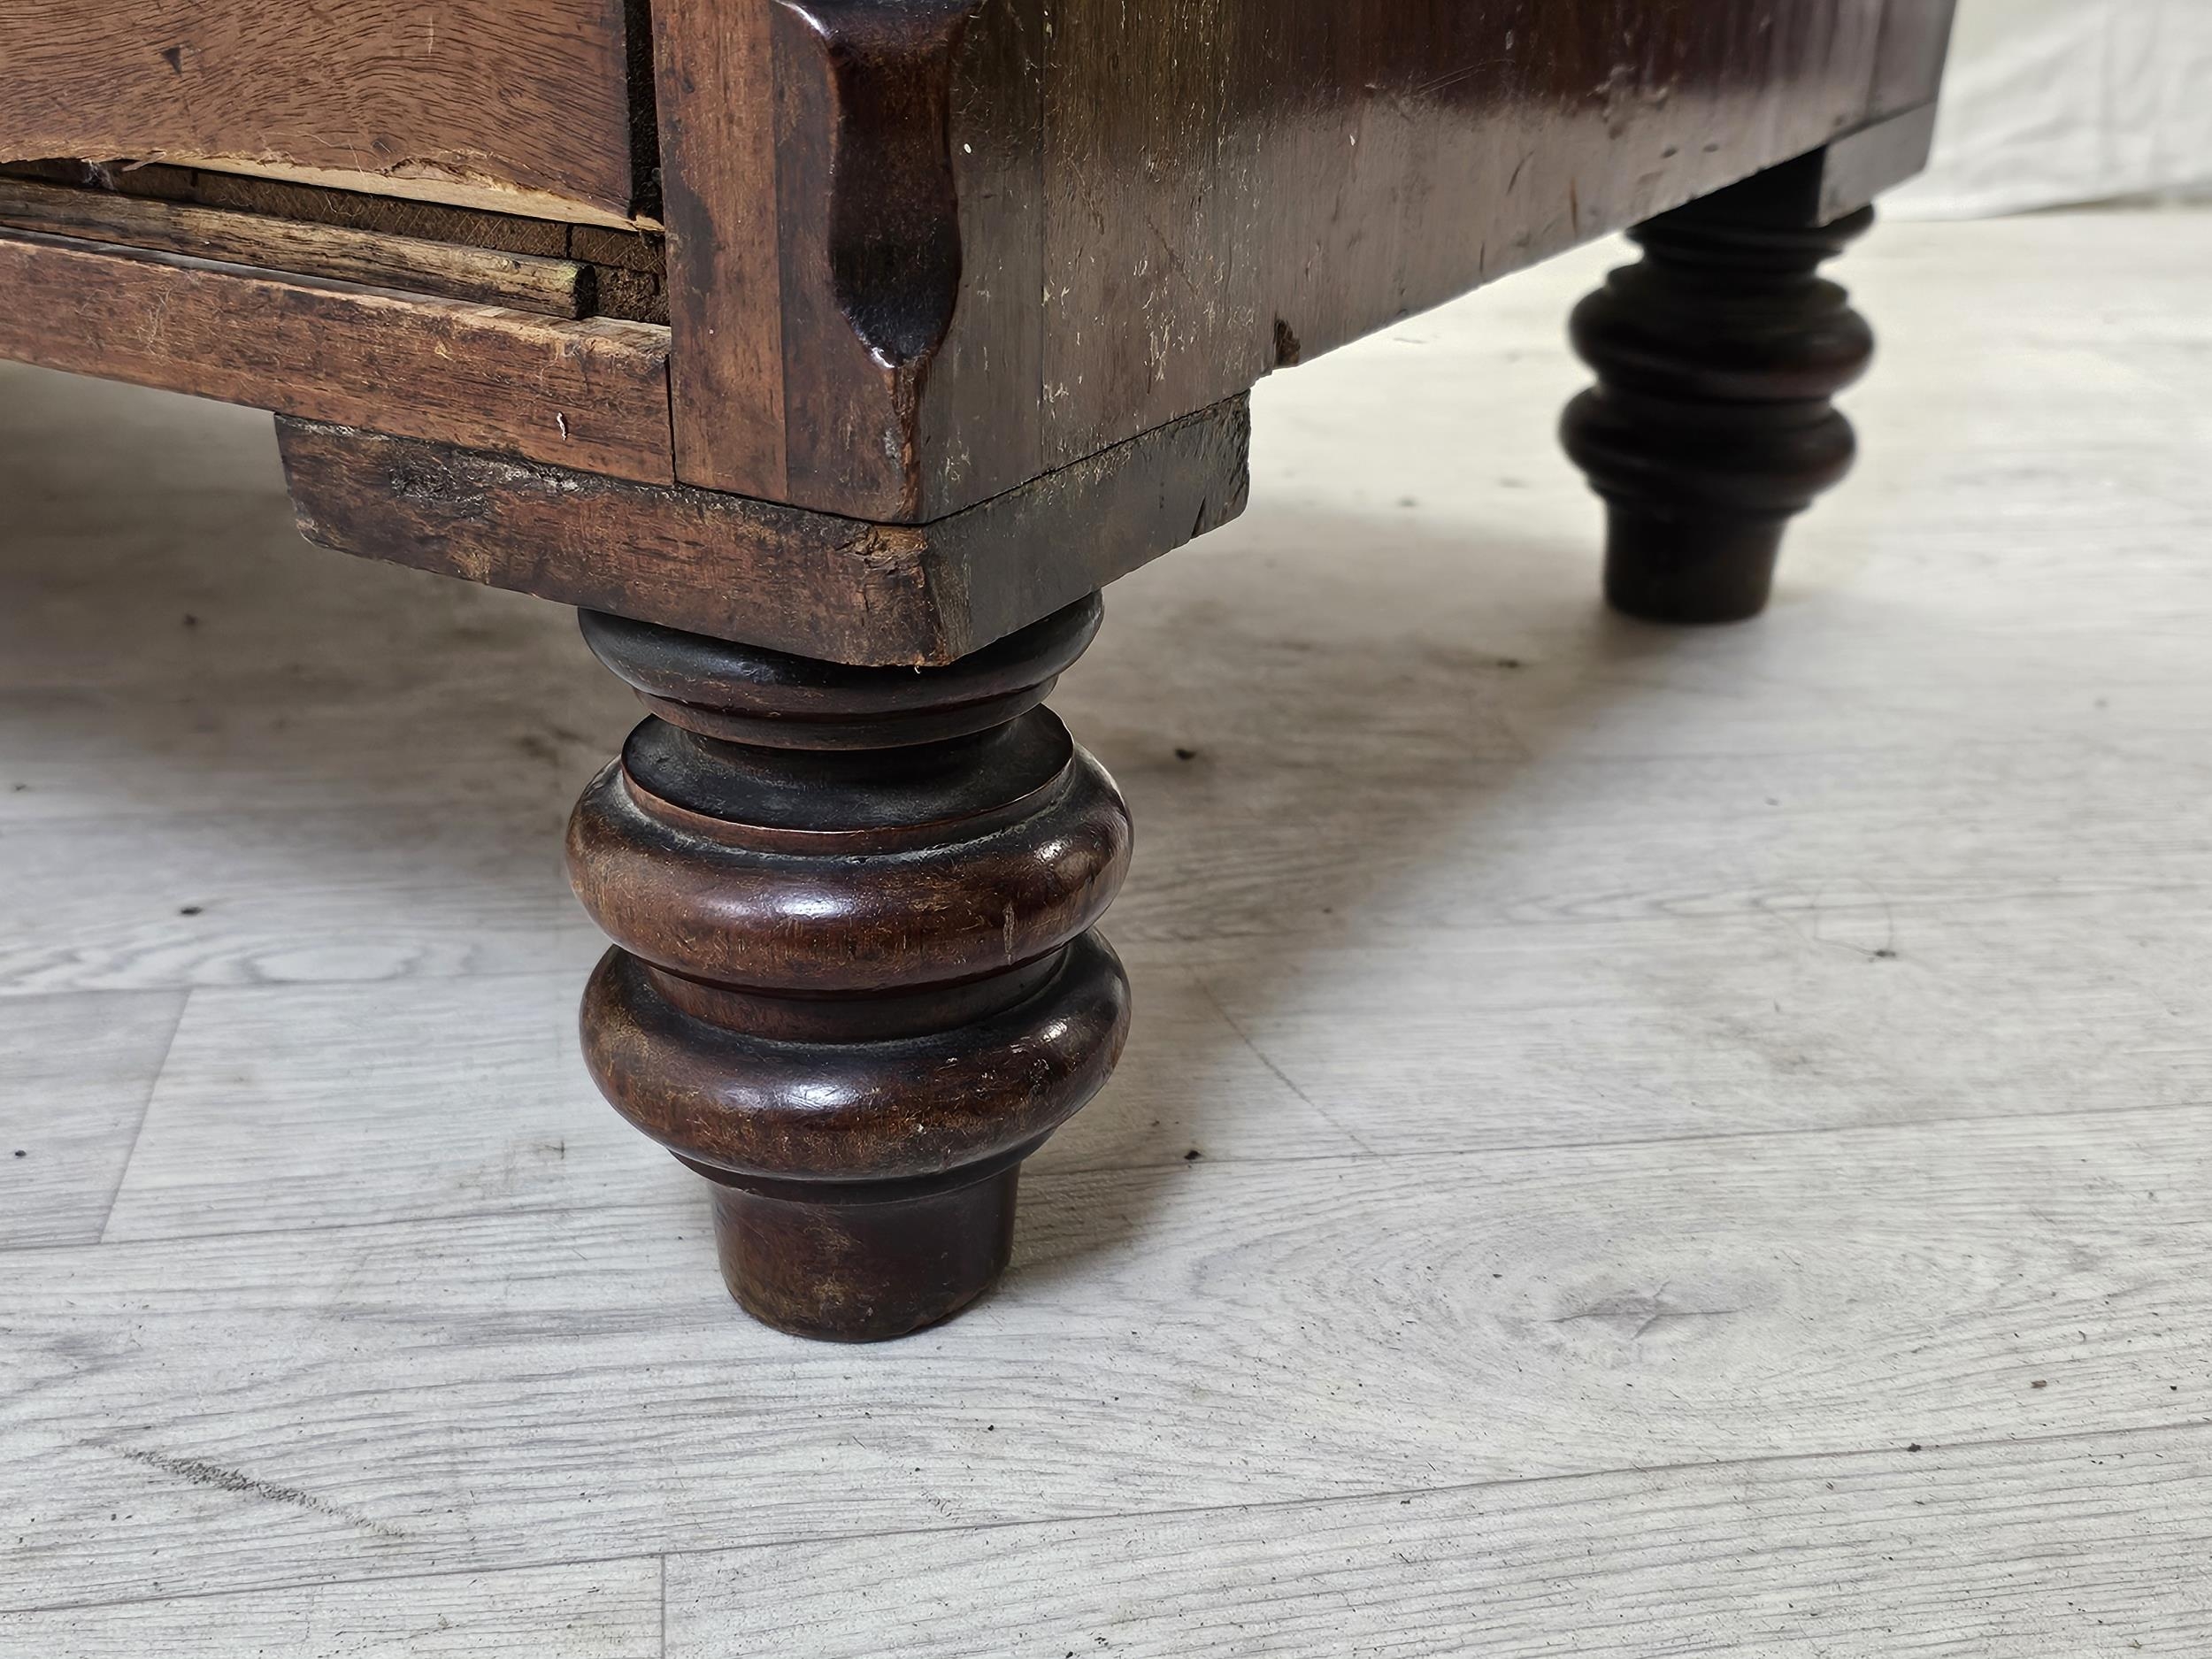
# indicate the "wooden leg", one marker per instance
pixel 1711 426
pixel 854 983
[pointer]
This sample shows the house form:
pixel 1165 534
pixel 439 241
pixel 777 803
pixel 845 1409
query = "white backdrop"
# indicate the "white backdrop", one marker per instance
pixel 2050 102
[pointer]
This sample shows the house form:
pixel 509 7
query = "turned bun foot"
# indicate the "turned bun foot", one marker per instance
pixel 865 1263
pixel 1711 424
pixel 855 983
pixel 1690 570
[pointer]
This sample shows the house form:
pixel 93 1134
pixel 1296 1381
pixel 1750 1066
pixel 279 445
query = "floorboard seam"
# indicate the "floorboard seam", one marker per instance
pixel 1095 1172
pixel 2200 1425
pixel 145 1110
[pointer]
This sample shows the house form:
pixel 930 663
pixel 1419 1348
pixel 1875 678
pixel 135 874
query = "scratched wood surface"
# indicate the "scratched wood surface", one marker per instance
pixel 525 99
pixel 1453 144
pixel 590 394
pixel 919 256
pixel 1144 209
pixel 1804 1023
pixel 731 568
pixel 450 269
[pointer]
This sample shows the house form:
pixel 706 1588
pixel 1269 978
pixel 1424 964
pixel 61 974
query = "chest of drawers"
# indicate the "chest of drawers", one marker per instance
pixel 832 355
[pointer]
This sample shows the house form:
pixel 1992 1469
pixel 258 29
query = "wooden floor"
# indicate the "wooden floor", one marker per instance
pixel 1636 1143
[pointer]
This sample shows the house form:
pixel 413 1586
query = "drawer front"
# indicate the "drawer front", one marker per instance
pixel 467 99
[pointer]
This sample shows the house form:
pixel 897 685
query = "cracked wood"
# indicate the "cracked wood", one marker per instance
pixel 834 588
pixel 591 394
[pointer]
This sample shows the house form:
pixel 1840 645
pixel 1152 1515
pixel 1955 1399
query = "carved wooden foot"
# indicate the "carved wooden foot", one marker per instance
pixel 1711 426
pixel 854 984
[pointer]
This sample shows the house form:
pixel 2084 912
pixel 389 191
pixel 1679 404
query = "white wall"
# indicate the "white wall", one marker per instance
pixel 2050 102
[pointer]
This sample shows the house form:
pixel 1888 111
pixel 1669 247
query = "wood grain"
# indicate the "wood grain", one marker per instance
pixel 622 269
pixel 914 260
pixel 600 1611
pixel 79 1070
pixel 1456 1321
pixel 530 96
pixel 716 69
pixel 332 1133
pixel 2086 1544
pixel 1442 151
pixel 224 1143
pixel 591 394
pixel 1515 1040
pixel 808 583
pixel 553 287
pixel 1014 232
pixel 923 255
pixel 483 868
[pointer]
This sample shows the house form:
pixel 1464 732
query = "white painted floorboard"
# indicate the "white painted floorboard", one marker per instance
pixel 1970 1550
pixel 1643 1083
pixel 75 1073
pixel 608 1611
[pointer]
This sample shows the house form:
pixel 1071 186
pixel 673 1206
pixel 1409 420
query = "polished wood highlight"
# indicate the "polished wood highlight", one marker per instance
pixel 775 576
pixel 1008 232
pixel 527 99
pixel 591 394
pixel 854 982
pixel 1711 424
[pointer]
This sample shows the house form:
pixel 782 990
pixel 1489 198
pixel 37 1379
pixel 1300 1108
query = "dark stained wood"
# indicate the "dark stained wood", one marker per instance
pixel 592 395
pixel 555 287
pixel 524 97
pixel 912 266
pixel 854 980
pixel 1852 171
pixel 826 587
pixel 1240 182
pixel 1711 424
pixel 1834 181
pixel 715 76
pixel 1139 210
pixel 869 235
pixel 1916 39
pixel 987 373
pixel 920 254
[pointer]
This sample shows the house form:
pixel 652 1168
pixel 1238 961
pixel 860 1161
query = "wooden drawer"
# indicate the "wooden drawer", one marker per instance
pixel 524 104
